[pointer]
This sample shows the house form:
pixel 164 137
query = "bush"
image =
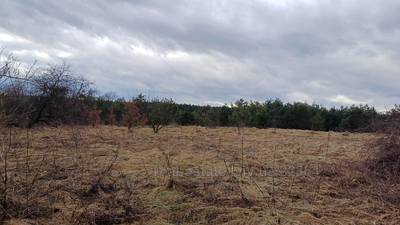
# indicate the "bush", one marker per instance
pixel 160 113
pixel 132 116
pixel 385 160
pixel 383 167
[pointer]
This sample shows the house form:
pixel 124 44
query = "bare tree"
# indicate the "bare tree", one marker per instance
pixel 10 69
pixel 58 96
pixel 14 80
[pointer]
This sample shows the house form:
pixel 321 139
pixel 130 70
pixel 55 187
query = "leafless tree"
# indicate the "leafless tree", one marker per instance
pixel 50 94
pixel 58 96
pixel 10 68
pixel 14 79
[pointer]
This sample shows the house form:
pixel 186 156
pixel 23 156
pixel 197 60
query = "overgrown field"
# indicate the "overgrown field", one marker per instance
pixel 188 175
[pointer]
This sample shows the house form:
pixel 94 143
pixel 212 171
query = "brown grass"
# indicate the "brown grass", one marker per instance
pixel 195 175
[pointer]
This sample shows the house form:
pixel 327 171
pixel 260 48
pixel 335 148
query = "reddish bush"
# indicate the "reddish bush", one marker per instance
pixel 132 116
pixel 94 117
pixel 111 118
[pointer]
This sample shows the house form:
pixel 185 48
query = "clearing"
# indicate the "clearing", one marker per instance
pixel 190 175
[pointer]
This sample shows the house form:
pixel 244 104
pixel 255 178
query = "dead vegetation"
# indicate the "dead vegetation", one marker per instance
pixel 383 165
pixel 189 175
pixel 57 179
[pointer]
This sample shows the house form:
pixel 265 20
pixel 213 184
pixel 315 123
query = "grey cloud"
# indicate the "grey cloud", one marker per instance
pixel 218 51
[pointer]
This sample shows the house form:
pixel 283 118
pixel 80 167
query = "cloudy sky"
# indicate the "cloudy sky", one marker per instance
pixel 336 52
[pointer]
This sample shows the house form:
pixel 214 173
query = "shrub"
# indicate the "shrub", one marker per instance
pixel 94 117
pixel 132 116
pixel 160 113
pixel 383 168
pixel 385 160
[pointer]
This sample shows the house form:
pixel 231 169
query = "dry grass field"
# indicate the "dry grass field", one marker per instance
pixel 189 175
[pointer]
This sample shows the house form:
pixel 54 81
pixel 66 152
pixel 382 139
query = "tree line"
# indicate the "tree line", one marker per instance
pixel 53 95
pixel 269 114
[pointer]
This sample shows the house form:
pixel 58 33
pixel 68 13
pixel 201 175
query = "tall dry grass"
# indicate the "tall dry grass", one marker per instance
pixel 65 184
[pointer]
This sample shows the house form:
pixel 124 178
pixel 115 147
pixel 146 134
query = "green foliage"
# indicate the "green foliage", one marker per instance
pixel 186 117
pixel 317 122
pixel 159 113
pixel 241 115
pixel 271 113
pixel 357 117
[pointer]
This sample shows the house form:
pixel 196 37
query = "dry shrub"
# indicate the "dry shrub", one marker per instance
pixel 383 167
pixel 132 116
pixel 65 187
pixel 93 117
pixel 109 201
pixel 20 172
pixel 385 163
pixel 98 192
pixel 385 160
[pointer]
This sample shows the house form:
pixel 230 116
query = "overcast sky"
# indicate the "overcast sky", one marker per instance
pixel 335 52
